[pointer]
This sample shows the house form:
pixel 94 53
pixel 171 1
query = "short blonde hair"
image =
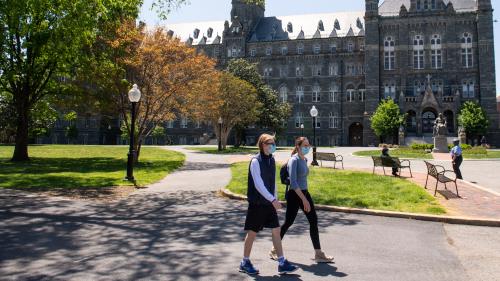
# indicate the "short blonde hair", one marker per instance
pixel 262 140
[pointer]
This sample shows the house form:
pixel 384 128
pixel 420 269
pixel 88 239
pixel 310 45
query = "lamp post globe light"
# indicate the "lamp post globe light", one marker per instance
pixel 220 134
pixel 134 96
pixel 302 129
pixel 314 114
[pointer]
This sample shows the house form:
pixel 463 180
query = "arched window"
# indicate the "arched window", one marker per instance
pixel 466 46
pixel 418 88
pixel 389 53
pixel 436 52
pixel 428 118
pixel 283 94
pixel 333 94
pixel 418 52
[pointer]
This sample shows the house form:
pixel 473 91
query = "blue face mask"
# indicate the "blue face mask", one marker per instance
pixel 272 148
pixel 305 150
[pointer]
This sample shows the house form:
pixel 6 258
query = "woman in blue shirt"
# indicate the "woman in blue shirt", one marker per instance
pixel 298 197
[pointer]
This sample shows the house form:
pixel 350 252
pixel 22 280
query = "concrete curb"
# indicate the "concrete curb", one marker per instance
pixel 423 217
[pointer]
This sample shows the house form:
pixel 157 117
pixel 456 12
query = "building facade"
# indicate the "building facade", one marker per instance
pixel 429 56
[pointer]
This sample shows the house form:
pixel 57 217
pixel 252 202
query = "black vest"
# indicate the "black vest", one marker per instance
pixel 268 175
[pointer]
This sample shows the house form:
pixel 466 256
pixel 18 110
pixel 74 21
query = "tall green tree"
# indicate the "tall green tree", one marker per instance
pixel 41 43
pixel 273 113
pixel 387 119
pixel 474 119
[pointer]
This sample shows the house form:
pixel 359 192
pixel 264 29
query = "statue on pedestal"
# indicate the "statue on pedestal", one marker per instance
pixel 440 133
pixel 401 135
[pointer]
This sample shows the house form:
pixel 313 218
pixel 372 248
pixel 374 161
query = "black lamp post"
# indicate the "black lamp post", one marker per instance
pixel 220 134
pixel 134 95
pixel 314 114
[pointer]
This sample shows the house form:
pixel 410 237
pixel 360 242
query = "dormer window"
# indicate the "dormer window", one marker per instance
pixel 289 27
pixel 210 32
pixel 236 29
pixel 196 33
pixel 321 26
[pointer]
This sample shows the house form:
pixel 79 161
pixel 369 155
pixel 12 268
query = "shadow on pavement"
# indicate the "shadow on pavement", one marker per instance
pixel 160 235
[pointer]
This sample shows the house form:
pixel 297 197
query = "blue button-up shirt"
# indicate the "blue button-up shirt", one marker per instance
pixel 456 150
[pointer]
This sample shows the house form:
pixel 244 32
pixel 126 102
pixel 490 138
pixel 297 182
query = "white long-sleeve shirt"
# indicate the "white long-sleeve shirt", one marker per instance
pixel 259 183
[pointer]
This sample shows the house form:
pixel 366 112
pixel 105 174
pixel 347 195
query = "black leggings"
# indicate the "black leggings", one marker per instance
pixel 292 208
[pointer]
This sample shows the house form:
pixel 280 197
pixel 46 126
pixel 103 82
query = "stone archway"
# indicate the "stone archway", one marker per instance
pixel 356 134
pixel 428 118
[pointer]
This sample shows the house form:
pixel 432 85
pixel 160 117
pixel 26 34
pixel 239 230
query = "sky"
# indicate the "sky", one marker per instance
pixel 210 10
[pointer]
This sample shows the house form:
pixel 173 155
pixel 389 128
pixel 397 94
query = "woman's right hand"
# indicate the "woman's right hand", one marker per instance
pixel 277 205
pixel 307 206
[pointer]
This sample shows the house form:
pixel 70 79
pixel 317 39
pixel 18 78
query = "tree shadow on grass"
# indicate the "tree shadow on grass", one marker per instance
pixel 75 172
pixel 154 236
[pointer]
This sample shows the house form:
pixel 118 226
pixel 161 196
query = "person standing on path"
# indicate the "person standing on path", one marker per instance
pixel 298 197
pixel 263 205
pixel 456 158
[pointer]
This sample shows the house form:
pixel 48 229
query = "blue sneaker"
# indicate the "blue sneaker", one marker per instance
pixel 247 267
pixel 287 267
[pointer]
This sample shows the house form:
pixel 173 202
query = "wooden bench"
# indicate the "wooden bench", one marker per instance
pixel 381 161
pixel 440 176
pixel 323 156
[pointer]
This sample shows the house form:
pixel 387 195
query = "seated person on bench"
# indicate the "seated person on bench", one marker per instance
pixel 385 153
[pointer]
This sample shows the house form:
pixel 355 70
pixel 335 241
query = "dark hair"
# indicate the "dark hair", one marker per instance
pixel 298 142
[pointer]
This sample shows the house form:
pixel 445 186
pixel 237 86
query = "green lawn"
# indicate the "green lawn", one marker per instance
pixel 397 152
pixel 75 166
pixel 354 189
pixel 490 154
pixel 231 149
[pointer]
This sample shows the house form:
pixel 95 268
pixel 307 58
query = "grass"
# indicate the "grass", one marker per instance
pixel 230 149
pixel 74 166
pixel 490 154
pixel 354 189
pixel 397 152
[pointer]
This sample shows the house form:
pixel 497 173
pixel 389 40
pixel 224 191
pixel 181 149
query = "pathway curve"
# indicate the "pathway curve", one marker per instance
pixel 180 230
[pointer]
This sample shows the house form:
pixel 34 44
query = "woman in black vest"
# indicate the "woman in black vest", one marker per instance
pixel 262 205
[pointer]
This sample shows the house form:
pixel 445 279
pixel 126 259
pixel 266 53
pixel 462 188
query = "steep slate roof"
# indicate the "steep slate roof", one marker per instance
pixel 275 28
pixel 307 26
pixel 392 7
pixel 186 30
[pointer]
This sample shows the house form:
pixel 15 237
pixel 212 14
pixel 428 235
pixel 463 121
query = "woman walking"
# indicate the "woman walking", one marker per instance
pixel 263 204
pixel 298 197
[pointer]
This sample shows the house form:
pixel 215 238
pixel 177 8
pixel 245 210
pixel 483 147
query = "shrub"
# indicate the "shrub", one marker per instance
pixel 422 146
pixel 476 150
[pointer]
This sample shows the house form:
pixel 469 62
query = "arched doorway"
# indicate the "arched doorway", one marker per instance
pixel 356 134
pixel 428 118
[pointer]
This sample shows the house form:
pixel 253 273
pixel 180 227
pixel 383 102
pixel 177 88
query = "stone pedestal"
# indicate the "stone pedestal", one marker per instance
pixel 440 144
pixel 402 139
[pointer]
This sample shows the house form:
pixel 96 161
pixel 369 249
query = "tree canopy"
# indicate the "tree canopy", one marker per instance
pixel 474 119
pixel 387 119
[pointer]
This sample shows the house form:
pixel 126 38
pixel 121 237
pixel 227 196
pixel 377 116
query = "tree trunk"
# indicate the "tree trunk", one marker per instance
pixel 22 130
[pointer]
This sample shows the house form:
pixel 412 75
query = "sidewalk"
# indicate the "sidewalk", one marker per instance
pixel 473 202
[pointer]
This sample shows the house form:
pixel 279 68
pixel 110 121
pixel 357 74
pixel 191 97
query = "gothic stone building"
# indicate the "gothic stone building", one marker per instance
pixel 429 56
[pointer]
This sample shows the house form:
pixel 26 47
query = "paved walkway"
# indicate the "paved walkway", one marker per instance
pixel 180 230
